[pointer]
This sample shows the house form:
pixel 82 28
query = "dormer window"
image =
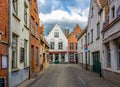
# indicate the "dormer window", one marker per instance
pixel 56 34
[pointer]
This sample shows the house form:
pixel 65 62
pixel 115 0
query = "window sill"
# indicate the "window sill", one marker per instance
pixel 26 67
pixel 97 38
pixel 91 42
pixel 15 70
pixel 16 17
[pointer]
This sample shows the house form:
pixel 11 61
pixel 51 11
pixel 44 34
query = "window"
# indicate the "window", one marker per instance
pixel 81 43
pixel 119 56
pixel 92 36
pixel 82 57
pixel 108 55
pixel 71 55
pixel 22 55
pixel 25 13
pixel 71 46
pixel 51 57
pixel 32 26
pixel 14 51
pixel 118 11
pixel 15 6
pixel 56 34
pixel 36 30
pixel 52 45
pixel 32 52
pixel 77 35
pixel 76 46
pixel 60 45
pixel 88 38
pixel 91 12
pixel 89 57
pixel 113 11
pixel 98 30
pixel 25 54
pixel 36 55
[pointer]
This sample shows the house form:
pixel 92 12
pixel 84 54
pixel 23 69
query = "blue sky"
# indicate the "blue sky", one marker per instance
pixel 67 13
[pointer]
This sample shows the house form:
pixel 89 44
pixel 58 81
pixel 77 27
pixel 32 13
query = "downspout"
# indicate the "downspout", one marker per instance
pixel 9 37
pixel 29 39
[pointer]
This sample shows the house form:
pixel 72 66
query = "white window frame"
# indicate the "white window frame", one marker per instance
pixel 14 51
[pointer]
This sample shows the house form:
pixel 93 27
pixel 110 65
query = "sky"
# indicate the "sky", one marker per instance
pixel 67 13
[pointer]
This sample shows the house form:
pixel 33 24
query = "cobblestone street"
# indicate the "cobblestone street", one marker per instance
pixel 68 75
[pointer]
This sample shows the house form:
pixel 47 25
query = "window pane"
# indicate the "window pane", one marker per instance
pixel 25 47
pixel 60 45
pixel 52 45
pixel 32 26
pixel 36 55
pixel 56 34
pixel 14 51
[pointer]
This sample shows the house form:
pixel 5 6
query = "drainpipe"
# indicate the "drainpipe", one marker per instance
pixel 9 36
pixel 29 40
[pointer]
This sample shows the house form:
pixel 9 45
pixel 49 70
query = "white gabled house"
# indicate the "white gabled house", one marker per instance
pixel 58 44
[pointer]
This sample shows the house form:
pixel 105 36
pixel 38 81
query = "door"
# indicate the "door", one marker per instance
pixel 96 62
pixel 62 58
pixel 76 58
pixel 56 58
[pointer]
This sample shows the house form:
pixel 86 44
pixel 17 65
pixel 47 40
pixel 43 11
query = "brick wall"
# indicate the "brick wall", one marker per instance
pixel 4 30
pixel 72 38
pixel 35 41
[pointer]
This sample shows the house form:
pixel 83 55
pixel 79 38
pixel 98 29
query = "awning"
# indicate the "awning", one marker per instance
pixel 57 52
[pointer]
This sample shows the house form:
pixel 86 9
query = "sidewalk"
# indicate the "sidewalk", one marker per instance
pixel 32 80
pixel 91 79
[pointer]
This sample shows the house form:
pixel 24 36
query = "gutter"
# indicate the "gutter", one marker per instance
pixel 9 36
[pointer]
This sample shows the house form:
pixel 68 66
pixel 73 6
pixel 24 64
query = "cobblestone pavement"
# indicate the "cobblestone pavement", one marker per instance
pixel 68 75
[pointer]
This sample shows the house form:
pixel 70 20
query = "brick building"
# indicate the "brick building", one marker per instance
pixel 44 47
pixel 3 38
pixel 34 38
pixel 72 44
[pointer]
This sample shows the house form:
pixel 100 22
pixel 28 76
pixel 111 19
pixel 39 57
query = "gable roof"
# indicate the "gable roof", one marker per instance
pixel 76 27
pixel 59 28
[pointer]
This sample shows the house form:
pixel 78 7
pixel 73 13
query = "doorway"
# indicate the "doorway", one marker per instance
pixel 76 58
pixel 57 58
pixel 62 58
pixel 96 62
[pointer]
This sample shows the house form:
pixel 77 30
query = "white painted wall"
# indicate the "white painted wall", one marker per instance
pixel 81 50
pixel 61 37
pixel 92 24
pixel 18 28
pixel 113 45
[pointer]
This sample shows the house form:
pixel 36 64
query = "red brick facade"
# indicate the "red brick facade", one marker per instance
pixel 4 30
pixel 72 39
pixel 34 39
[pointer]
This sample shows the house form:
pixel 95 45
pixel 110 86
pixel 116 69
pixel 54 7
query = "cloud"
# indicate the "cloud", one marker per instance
pixel 67 13
pixel 65 19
